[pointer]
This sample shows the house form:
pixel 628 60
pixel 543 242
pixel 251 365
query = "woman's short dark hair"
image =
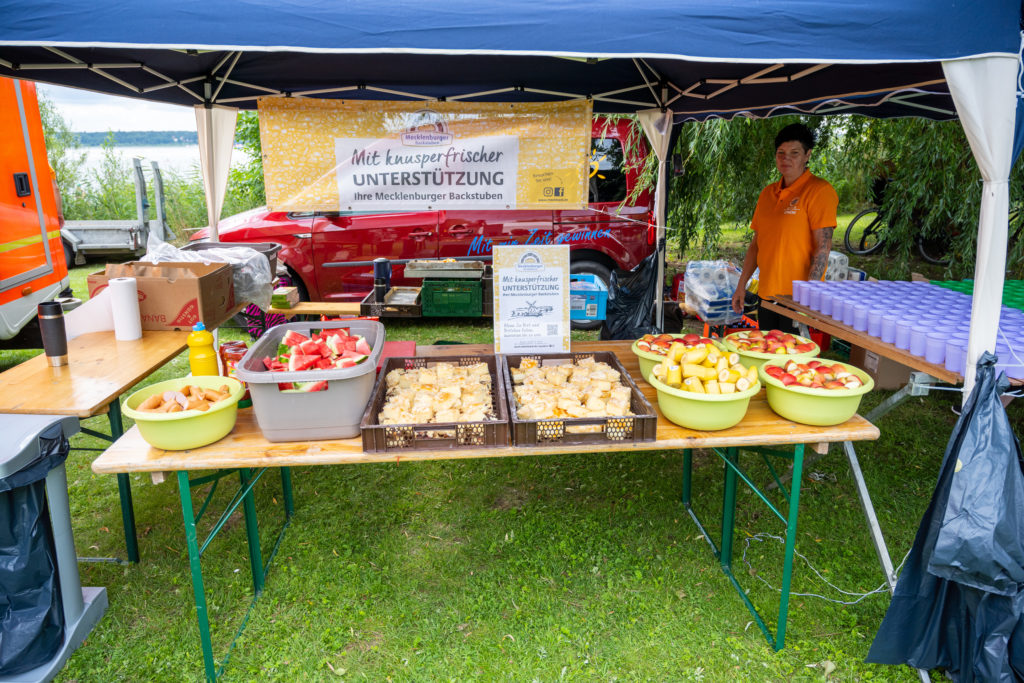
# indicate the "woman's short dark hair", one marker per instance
pixel 795 132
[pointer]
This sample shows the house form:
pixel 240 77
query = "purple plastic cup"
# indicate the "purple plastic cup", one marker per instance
pixel 814 297
pixel 889 324
pixel 825 302
pixel 956 347
pixel 935 347
pixel 902 338
pixel 875 322
pixel 849 309
pixel 860 316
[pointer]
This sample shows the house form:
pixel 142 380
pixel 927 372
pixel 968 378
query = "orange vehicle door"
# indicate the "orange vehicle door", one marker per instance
pixel 32 266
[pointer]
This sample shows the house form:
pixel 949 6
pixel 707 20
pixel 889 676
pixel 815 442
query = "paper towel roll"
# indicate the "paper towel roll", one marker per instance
pixel 124 307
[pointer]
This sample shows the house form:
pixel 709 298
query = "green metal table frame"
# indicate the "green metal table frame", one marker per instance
pixel 723 551
pixel 244 497
pixel 124 487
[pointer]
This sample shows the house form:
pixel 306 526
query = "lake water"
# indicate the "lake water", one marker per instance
pixel 179 159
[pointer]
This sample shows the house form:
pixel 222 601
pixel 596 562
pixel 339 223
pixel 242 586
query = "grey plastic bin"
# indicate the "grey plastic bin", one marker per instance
pixel 296 416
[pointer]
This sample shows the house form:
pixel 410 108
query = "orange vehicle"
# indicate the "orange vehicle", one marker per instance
pixel 32 265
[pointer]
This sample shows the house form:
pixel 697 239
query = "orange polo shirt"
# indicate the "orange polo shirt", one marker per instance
pixel 784 221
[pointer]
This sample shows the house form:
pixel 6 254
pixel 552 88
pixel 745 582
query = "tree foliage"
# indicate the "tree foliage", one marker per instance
pixel 933 193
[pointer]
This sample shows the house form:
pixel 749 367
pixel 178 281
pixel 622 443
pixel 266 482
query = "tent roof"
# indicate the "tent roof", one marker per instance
pixel 699 58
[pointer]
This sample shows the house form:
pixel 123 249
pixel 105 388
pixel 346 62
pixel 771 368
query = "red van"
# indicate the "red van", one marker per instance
pixel 329 256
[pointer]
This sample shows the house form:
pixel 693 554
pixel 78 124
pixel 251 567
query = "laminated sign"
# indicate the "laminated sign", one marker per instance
pixel 531 291
pixel 338 155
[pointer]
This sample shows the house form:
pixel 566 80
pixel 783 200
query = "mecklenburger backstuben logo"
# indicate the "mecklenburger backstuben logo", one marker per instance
pixel 529 262
pixel 426 128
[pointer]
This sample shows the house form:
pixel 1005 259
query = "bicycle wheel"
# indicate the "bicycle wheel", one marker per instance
pixel 934 250
pixel 865 233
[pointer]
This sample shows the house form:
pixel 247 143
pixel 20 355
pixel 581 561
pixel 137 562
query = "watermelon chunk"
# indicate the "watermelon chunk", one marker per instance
pixel 334 344
pixel 323 348
pixel 309 348
pixel 362 347
pixel 345 363
pixel 300 361
pixel 269 363
pixel 325 364
pixel 293 338
pixel 311 386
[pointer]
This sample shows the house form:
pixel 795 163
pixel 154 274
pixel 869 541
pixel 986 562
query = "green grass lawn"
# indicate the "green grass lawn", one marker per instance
pixel 543 568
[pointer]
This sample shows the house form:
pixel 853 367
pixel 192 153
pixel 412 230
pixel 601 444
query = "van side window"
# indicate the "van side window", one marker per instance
pixel 607 179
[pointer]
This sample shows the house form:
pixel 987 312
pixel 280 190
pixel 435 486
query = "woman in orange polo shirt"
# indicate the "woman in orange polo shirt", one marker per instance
pixel 793 224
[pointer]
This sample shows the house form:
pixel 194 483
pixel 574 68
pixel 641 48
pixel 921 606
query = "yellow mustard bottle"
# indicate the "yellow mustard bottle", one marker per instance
pixel 202 357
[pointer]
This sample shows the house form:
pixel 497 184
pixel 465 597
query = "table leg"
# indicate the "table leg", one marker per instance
pixel 252 532
pixel 198 589
pixel 124 488
pixel 787 570
pixel 286 488
pixel 687 472
pixel 729 508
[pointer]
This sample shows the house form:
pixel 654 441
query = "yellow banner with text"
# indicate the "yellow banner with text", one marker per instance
pixel 347 155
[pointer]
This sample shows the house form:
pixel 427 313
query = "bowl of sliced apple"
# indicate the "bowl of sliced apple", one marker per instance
pixel 812 391
pixel 652 349
pixel 755 346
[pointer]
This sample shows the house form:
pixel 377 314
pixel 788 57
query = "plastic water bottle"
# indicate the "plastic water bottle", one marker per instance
pixel 202 357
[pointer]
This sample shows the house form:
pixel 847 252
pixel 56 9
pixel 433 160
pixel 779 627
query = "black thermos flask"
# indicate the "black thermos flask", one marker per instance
pixel 51 329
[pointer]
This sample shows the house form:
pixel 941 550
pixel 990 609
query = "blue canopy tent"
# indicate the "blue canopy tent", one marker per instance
pixel 670 61
pixel 679 60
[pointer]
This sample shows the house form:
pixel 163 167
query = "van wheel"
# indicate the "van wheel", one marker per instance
pixel 69 254
pixel 604 274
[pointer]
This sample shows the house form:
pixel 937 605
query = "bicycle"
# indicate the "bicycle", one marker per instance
pixel 873 237
pixel 933 249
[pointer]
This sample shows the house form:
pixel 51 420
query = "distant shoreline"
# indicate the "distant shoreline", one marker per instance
pixel 139 138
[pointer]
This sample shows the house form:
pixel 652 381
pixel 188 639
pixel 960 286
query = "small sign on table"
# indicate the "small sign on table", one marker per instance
pixel 531 296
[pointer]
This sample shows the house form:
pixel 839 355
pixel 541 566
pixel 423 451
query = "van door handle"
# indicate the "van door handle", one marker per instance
pixel 421 234
pixel 459 230
pixel 22 186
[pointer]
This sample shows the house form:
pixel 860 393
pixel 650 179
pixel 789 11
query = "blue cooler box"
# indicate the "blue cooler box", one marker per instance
pixel 588 297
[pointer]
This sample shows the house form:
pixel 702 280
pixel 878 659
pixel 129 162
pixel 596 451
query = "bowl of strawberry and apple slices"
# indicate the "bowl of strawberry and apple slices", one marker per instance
pixel 814 392
pixel 756 346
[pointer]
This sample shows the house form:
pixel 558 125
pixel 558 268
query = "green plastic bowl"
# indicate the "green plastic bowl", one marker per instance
pixel 758 359
pixel 648 360
pixel 703 412
pixel 817 407
pixel 189 428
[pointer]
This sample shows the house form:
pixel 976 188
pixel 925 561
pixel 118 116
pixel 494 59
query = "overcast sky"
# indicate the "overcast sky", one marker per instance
pixel 89 112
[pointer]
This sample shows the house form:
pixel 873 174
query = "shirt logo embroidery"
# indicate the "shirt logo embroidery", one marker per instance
pixel 792 208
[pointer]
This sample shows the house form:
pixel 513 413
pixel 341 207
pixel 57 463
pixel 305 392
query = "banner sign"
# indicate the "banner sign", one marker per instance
pixel 366 156
pixel 531 292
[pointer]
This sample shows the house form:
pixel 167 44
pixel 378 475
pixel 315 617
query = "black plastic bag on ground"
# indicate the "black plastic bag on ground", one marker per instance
pixel 958 604
pixel 631 301
pixel 31 611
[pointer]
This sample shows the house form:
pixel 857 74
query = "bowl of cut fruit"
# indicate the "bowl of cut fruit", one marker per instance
pixel 755 346
pixel 814 392
pixel 652 349
pixel 707 389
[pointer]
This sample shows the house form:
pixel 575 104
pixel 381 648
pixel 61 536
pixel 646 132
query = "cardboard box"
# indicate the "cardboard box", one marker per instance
pixel 175 296
pixel 887 373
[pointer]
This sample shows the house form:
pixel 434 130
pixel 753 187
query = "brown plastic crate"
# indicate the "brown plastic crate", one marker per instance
pixel 379 438
pixel 396 304
pixel 641 426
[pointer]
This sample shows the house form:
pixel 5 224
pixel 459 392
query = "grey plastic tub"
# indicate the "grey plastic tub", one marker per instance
pixel 295 416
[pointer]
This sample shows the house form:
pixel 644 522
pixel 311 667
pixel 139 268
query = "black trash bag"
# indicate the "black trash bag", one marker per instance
pixel 958 604
pixel 631 301
pixel 31 611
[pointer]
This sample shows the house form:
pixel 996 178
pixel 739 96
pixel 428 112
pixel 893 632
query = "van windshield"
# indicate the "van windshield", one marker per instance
pixel 607 179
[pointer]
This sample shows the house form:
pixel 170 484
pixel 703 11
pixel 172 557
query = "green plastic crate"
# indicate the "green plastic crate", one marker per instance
pixel 451 298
